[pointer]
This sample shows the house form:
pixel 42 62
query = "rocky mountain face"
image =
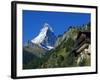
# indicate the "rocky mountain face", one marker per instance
pixel 39 46
pixel 46 38
pixel 53 51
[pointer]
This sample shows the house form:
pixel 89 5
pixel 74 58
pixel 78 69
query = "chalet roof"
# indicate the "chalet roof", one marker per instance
pixel 87 33
pixel 82 38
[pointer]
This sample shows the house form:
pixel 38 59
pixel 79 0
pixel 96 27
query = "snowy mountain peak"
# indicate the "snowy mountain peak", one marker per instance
pixel 46 27
pixel 46 38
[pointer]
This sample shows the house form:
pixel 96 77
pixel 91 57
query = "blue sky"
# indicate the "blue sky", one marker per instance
pixel 33 21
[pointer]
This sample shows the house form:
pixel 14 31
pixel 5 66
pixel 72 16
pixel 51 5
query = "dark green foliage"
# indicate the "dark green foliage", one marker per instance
pixel 35 63
pixel 70 60
pixel 27 57
pixel 60 59
pixel 30 61
pixel 69 44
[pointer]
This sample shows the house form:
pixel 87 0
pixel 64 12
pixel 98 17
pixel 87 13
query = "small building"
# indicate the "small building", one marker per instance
pixel 82 47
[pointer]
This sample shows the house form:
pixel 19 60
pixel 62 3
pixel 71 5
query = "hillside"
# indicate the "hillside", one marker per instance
pixel 62 55
pixel 32 56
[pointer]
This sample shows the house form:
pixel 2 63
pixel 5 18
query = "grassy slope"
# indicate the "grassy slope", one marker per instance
pixel 62 56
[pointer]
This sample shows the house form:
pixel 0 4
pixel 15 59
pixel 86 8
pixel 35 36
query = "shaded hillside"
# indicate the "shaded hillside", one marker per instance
pixel 32 56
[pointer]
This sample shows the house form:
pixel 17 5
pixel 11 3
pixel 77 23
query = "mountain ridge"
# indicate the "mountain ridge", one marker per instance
pixel 46 38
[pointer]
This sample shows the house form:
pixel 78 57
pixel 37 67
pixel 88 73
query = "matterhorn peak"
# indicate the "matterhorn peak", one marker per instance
pixel 46 37
pixel 46 27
